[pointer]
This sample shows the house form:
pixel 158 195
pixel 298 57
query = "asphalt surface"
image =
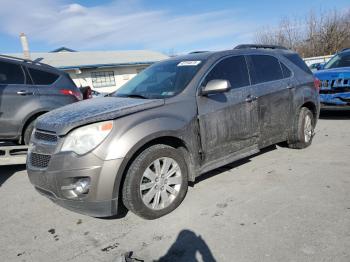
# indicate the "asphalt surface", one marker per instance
pixel 280 205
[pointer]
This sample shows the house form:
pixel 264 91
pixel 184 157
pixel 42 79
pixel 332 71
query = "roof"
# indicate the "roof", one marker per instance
pixel 62 49
pixel 94 59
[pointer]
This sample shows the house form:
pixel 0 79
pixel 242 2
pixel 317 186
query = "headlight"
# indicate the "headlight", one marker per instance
pixel 86 138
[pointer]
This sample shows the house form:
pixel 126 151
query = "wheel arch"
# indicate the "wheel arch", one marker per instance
pixel 166 139
pixel 28 120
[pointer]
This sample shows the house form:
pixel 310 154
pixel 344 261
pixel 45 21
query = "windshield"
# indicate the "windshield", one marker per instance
pixel 161 80
pixel 338 61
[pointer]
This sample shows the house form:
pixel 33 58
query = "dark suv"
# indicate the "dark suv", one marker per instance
pixel 175 120
pixel 27 90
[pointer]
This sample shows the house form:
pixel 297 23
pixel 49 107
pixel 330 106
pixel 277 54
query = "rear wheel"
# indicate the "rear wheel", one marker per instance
pixel 303 131
pixel 156 182
pixel 28 132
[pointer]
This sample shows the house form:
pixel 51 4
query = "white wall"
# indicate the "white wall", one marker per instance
pixel 318 59
pixel 121 76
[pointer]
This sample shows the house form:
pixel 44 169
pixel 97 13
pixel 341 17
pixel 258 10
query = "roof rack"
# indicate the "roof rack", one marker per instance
pixel 197 52
pixel 35 62
pixel 252 46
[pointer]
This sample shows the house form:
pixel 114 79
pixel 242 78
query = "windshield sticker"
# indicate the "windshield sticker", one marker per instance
pixel 189 63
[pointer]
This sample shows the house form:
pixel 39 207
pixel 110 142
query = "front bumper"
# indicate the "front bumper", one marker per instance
pixel 63 168
pixel 338 100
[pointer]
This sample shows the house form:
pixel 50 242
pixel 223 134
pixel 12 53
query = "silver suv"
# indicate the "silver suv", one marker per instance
pixel 174 121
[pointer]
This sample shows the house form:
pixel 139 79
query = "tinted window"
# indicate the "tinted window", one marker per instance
pixel 286 72
pixel 265 68
pixel 11 73
pixel 295 59
pixel 41 77
pixel 233 69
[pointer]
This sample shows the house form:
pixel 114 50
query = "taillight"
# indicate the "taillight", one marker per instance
pixel 317 83
pixel 69 92
pixel 88 93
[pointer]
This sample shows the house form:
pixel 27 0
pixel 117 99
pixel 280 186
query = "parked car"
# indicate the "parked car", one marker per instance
pixel 175 120
pixel 27 90
pixel 335 82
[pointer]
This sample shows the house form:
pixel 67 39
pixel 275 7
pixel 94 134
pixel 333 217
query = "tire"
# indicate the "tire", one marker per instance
pixel 150 194
pixel 28 132
pixel 303 130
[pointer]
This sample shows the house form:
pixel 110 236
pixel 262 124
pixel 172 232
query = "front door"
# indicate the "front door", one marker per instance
pixel 228 121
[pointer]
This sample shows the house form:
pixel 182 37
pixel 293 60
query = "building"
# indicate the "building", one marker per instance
pixel 103 71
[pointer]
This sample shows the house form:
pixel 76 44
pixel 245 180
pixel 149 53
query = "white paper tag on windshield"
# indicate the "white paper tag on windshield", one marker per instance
pixel 189 63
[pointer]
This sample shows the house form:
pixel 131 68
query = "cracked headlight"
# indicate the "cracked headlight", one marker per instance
pixel 87 138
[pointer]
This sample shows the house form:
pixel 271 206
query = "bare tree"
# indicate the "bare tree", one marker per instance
pixel 312 36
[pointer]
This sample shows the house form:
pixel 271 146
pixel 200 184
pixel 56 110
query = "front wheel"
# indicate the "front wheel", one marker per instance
pixel 156 182
pixel 303 131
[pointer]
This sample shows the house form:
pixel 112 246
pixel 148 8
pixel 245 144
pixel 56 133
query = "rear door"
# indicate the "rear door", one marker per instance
pixel 274 97
pixel 228 121
pixel 17 99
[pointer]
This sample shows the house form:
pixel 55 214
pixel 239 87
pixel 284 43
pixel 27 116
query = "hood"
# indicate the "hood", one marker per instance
pixel 334 73
pixel 66 118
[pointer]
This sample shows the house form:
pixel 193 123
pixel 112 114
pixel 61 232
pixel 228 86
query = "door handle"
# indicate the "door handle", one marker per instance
pixel 24 93
pixel 290 87
pixel 251 98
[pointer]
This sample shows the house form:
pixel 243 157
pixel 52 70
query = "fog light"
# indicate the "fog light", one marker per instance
pixel 79 187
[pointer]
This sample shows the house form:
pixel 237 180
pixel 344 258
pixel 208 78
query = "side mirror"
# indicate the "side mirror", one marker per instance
pixel 216 86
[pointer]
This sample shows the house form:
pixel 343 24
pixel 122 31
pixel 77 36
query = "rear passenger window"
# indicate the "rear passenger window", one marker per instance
pixel 265 68
pixel 41 77
pixel 286 72
pixel 234 69
pixel 11 73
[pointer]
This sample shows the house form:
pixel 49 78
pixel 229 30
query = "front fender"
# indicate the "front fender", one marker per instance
pixel 123 144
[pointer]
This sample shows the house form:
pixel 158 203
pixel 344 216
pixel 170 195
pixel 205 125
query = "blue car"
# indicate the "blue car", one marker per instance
pixel 335 82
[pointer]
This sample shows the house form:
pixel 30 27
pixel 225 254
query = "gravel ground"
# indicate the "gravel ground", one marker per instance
pixel 280 205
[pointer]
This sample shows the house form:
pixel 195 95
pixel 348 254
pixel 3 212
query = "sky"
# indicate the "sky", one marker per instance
pixel 167 26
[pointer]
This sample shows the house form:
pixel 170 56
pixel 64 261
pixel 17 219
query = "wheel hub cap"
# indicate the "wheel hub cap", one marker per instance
pixel 160 183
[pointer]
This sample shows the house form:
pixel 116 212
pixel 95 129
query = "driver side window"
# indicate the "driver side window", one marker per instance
pixel 234 69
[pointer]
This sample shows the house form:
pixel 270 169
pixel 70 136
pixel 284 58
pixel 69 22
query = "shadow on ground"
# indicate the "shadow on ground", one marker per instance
pixel 335 114
pixel 7 171
pixel 187 247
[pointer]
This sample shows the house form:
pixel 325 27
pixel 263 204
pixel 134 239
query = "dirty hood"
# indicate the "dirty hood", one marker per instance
pixel 334 73
pixel 66 118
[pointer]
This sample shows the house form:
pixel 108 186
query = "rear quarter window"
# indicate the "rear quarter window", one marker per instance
pixel 11 73
pixel 264 68
pixel 285 70
pixel 42 77
pixel 295 59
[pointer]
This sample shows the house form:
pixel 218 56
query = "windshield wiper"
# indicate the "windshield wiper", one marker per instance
pixel 135 96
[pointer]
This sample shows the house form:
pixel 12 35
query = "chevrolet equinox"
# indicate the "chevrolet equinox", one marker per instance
pixel 179 118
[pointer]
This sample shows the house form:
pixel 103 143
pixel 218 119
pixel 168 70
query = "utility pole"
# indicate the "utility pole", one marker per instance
pixel 25 46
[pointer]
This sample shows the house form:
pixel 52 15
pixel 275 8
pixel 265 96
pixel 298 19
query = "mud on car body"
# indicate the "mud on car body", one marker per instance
pixel 335 82
pixel 177 119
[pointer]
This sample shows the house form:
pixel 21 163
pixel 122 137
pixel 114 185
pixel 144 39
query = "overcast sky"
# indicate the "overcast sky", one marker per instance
pixel 160 25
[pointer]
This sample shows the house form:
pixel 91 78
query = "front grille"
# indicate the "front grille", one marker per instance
pixel 335 83
pixel 39 160
pixel 45 136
